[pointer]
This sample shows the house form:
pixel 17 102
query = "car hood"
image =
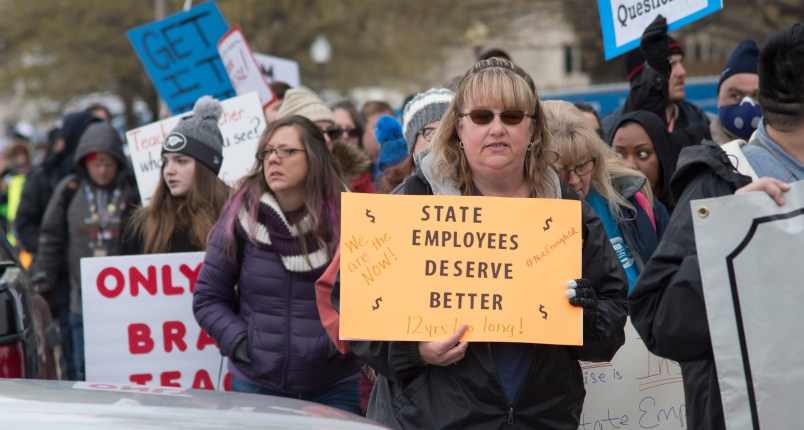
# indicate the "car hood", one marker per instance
pixel 39 404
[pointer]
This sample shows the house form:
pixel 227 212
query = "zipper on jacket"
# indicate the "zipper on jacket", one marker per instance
pixel 511 416
pixel 288 318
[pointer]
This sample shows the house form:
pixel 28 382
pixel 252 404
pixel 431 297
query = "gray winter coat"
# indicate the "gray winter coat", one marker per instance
pixel 70 229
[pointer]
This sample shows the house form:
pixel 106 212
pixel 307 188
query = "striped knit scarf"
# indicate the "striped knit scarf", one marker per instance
pixel 272 232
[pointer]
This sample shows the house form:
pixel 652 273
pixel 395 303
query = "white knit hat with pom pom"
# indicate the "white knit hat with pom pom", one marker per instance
pixel 198 135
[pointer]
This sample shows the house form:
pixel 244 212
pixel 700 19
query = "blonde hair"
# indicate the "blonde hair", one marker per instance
pixel 498 82
pixel 577 141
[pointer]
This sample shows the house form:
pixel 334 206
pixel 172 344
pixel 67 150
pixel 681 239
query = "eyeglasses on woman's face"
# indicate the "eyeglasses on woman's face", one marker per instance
pixel 427 133
pixel 485 116
pixel 336 132
pixel 281 152
pixel 580 169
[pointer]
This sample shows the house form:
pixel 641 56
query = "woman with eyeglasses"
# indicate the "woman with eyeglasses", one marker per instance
pixel 354 163
pixel 492 141
pixel 276 235
pixel 634 221
pixel 420 119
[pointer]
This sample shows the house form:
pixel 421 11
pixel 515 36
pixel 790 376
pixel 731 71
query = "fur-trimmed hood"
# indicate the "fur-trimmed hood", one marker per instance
pixel 352 161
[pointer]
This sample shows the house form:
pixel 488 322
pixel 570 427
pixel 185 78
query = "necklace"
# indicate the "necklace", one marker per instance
pixel 103 213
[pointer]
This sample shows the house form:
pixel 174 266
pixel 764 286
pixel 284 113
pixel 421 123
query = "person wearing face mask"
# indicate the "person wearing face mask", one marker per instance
pixel 420 118
pixel 737 91
pixel 667 303
pixel 739 112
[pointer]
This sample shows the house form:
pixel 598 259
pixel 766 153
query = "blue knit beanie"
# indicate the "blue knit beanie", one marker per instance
pixel 393 146
pixel 743 60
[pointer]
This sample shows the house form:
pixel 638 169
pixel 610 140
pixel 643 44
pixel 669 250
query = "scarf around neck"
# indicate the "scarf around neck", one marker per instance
pixel 442 185
pixel 272 232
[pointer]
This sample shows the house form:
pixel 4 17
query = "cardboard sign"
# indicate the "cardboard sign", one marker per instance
pixel 243 71
pixel 139 326
pixel 279 69
pixel 649 390
pixel 750 252
pixel 241 124
pixel 624 21
pixel 180 55
pixel 418 267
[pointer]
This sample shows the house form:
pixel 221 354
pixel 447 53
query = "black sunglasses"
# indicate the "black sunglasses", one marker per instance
pixel 337 132
pixel 484 116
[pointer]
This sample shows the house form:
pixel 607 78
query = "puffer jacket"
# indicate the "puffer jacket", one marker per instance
pixel 667 303
pixel 288 347
pixel 413 395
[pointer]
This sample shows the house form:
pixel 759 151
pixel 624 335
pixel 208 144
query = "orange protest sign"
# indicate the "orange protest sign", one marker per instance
pixel 418 267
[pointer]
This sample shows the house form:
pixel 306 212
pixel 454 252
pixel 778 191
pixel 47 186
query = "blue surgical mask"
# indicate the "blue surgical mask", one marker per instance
pixel 741 119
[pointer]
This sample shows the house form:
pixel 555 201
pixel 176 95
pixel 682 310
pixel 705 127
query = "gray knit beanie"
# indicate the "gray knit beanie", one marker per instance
pixel 423 109
pixel 299 101
pixel 198 135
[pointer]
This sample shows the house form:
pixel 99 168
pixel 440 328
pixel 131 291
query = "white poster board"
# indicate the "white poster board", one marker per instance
pixel 635 390
pixel 279 69
pixel 241 124
pixel 243 70
pixel 751 254
pixel 624 21
pixel 139 327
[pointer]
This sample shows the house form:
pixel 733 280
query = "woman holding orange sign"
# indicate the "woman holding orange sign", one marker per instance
pixel 492 141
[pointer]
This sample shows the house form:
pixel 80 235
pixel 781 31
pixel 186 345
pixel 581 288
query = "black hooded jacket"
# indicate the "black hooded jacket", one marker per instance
pixel 666 152
pixel 667 303
pixel 42 180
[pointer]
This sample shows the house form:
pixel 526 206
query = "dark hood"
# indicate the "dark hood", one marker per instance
pixel 707 156
pixel 100 137
pixel 73 126
pixel 665 151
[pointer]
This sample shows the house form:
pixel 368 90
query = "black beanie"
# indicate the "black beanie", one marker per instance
pixel 198 135
pixel 743 60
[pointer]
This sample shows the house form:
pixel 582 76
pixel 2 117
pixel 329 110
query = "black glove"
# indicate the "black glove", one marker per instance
pixel 581 294
pixel 655 47
pixel 241 352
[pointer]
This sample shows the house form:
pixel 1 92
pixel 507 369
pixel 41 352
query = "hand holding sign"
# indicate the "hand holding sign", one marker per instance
pixel 622 21
pixel 654 46
pixel 446 352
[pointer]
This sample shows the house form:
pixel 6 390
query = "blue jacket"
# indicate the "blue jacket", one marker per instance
pixel 287 344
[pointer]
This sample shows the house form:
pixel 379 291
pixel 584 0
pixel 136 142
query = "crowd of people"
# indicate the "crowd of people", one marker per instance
pixel 268 290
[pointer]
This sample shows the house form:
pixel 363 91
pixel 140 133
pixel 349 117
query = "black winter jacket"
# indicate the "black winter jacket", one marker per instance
pixel 667 303
pixel 413 395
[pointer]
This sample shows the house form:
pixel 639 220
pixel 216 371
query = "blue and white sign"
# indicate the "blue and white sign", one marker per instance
pixel 180 54
pixel 623 21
